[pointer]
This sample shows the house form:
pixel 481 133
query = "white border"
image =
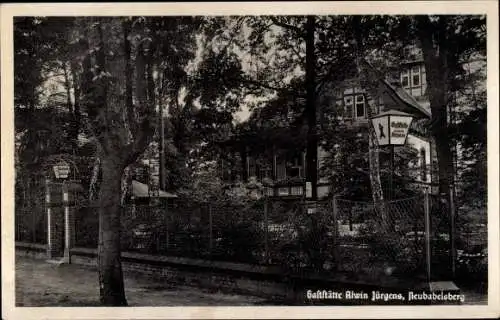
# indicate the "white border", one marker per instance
pixel 362 7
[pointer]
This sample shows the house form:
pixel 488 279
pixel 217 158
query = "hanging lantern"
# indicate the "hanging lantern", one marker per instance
pixel 391 127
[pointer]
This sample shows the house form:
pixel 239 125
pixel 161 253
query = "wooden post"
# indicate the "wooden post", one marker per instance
pixel 266 230
pixel 427 234
pixel 391 172
pixel 335 232
pixel 167 244
pixel 33 218
pixel 452 232
pixel 210 228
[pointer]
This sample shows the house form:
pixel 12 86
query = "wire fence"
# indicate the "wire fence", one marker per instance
pixel 30 216
pixel 31 225
pixel 386 238
pixel 335 234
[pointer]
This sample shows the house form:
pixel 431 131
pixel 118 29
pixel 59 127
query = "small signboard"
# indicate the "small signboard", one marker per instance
pixel 61 170
pixel 381 130
pixel 399 129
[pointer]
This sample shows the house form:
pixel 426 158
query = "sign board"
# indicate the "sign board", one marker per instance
pixel 61 170
pixel 381 130
pixel 399 126
pixel 391 127
pixel 308 189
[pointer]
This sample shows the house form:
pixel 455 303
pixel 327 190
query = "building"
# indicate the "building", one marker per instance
pixel 281 163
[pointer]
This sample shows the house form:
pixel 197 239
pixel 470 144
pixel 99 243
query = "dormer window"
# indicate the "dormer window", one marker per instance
pixel 405 79
pixel 354 104
pixel 415 76
pixel 413 80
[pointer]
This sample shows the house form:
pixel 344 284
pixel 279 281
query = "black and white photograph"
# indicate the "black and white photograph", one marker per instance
pixel 169 159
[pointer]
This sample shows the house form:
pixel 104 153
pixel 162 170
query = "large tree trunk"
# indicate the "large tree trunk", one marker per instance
pixel 435 52
pixel 112 290
pixel 312 138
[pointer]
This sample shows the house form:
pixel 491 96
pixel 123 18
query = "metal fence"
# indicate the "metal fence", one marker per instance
pixel 31 225
pixel 30 217
pixel 334 234
pixel 387 239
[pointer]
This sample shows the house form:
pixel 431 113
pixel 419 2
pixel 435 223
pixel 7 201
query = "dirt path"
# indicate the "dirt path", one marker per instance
pixel 42 284
pixel 39 283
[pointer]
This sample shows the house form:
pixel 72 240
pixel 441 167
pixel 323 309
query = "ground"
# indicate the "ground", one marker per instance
pixel 39 283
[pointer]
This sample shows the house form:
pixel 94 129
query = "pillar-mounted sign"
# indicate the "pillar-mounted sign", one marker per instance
pixel 61 170
pixel 391 127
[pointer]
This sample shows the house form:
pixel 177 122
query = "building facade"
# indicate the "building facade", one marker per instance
pixel 284 168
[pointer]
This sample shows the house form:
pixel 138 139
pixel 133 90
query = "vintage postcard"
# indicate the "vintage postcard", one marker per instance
pixel 250 160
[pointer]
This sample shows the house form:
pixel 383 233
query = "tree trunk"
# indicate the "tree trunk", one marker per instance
pixel 243 156
pixel 312 138
pixel 370 86
pixel 112 290
pixel 75 126
pixel 369 81
pixel 376 185
pixel 434 49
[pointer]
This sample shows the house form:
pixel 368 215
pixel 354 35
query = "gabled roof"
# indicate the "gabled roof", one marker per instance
pixel 399 94
pixel 407 99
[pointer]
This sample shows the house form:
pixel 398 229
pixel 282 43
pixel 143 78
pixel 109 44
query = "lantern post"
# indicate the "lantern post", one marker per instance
pixel 391 128
pixel 61 171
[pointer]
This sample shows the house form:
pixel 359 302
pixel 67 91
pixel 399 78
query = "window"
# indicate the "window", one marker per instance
pixel 252 167
pixel 270 192
pixel 415 72
pixel 266 172
pixel 405 79
pixel 406 52
pixel 283 191
pixel 295 167
pixel 360 106
pixel 280 169
pixel 296 190
pixel 354 103
pixel 348 103
pixel 423 165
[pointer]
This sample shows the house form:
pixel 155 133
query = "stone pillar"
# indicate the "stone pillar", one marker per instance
pixel 49 218
pixel 67 224
pixel 54 222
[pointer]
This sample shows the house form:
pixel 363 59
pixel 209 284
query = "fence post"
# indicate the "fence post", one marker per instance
pixel 210 228
pixel 452 232
pixel 33 219
pixel 266 230
pixel 335 232
pixel 427 234
pixel 166 226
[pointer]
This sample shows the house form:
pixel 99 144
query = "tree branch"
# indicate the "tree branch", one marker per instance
pixel 277 22
pixel 128 71
pixel 335 69
pixel 297 53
